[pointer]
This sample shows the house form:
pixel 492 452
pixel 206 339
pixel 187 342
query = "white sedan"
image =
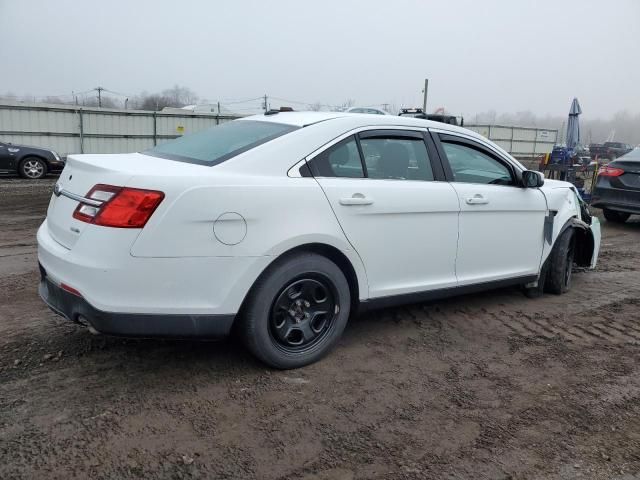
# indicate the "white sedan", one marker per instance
pixel 282 225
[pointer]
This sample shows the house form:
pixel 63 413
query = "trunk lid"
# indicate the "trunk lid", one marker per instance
pixel 630 180
pixel 80 174
pixel 83 172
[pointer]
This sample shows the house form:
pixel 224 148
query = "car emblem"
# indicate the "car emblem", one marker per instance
pixel 57 190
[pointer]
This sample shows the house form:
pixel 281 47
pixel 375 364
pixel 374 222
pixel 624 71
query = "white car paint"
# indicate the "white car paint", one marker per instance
pixel 416 236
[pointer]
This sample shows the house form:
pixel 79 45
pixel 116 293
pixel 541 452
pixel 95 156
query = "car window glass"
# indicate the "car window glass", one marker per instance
pixel 473 166
pixel 341 160
pixel 217 144
pixel 396 158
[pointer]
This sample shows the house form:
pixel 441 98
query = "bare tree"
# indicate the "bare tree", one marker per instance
pixel 315 107
pixel 348 103
pixel 55 100
pixel 107 102
pixel 180 96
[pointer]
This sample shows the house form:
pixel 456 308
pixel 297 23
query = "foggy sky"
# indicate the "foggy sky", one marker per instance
pixel 479 55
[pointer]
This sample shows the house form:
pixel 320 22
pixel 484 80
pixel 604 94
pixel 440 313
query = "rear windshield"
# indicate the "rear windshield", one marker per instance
pixel 220 143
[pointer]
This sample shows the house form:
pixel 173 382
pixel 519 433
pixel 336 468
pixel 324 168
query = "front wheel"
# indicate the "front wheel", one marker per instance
pixel 32 168
pixel 615 217
pixel 297 311
pixel 560 264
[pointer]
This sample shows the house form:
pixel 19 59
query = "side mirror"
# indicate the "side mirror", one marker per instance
pixel 532 179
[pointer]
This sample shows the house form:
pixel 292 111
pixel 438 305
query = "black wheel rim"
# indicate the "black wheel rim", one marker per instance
pixel 303 314
pixel 568 266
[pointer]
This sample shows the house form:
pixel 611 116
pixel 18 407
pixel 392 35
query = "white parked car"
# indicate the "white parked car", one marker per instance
pixel 282 225
pixel 369 110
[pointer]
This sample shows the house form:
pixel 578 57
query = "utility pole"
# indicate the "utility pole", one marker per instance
pixel 265 106
pixel 426 88
pixel 99 90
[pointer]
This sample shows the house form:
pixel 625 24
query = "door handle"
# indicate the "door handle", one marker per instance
pixel 356 199
pixel 477 199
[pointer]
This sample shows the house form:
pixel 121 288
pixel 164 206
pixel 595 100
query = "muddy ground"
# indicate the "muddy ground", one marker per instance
pixel 492 386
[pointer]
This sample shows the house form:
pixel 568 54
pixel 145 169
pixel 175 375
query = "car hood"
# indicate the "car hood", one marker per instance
pixel 551 184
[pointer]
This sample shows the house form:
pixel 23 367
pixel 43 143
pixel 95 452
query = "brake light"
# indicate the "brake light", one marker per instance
pixel 607 171
pixel 119 207
pixel 70 289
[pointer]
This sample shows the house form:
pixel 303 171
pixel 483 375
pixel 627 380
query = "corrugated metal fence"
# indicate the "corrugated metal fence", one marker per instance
pixel 72 129
pixel 521 142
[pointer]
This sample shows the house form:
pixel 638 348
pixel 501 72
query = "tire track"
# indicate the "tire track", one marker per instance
pixel 617 322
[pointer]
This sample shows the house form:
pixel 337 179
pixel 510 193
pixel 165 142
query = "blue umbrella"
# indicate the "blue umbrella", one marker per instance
pixel 573 127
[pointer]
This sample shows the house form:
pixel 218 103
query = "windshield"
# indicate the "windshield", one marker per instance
pixel 220 143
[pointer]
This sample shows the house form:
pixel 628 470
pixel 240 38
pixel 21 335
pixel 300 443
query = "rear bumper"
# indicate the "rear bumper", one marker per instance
pixel 615 197
pixel 101 268
pixel 78 310
pixel 611 203
pixel 56 167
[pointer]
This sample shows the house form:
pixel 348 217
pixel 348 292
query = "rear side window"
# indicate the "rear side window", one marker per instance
pixel 396 158
pixel 341 160
pixel 220 143
pixel 376 155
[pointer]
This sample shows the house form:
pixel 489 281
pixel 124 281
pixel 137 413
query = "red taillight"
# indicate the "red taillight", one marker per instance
pixel 69 289
pixel 120 207
pixel 607 171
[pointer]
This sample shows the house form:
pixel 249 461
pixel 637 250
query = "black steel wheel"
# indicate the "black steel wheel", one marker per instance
pixel 296 311
pixel 303 313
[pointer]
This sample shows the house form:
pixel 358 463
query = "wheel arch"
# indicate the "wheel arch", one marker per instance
pixel 357 284
pixel 583 238
pixel 584 241
pixel 27 156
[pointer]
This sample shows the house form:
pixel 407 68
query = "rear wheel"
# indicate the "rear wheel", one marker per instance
pixel 297 311
pixel 615 217
pixel 32 168
pixel 560 264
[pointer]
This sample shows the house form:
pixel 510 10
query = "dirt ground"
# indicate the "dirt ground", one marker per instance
pixel 492 385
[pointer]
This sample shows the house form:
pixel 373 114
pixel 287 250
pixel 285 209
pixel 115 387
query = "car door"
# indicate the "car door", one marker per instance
pixel 388 192
pixel 5 158
pixel 501 225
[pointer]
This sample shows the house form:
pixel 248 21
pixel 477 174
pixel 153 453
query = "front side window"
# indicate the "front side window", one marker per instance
pixel 217 144
pixel 470 165
pixel 396 158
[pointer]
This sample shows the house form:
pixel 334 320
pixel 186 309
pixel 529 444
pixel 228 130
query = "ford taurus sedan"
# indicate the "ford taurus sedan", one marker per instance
pixel 282 225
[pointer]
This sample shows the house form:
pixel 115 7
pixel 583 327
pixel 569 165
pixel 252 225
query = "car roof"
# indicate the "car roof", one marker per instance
pixel 355 120
pixel 298 119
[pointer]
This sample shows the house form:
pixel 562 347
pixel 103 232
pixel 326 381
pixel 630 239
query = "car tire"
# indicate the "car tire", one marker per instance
pixel 32 168
pixel 560 264
pixel 615 217
pixel 282 322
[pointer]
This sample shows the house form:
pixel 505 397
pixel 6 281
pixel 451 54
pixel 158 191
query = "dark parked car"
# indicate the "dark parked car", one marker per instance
pixel 436 117
pixel 609 150
pixel 617 190
pixel 29 162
